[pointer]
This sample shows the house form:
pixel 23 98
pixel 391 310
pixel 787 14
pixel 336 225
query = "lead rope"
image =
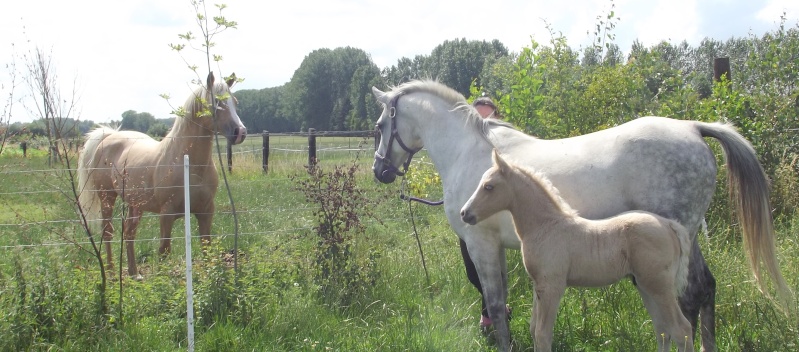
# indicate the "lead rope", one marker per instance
pixel 415 232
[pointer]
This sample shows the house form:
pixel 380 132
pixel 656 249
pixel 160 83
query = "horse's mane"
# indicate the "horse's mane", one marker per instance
pixel 454 99
pixel 541 179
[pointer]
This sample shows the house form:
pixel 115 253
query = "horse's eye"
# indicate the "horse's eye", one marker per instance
pixel 488 187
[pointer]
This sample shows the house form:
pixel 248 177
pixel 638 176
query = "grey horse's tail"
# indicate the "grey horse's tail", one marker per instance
pixel 88 197
pixel 749 189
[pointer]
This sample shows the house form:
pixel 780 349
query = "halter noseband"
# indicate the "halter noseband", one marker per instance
pixel 392 113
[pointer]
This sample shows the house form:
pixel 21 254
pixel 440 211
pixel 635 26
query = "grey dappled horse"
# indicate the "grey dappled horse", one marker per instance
pixel 655 164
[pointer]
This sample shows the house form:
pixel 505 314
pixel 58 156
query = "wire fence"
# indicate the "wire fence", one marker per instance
pixel 37 209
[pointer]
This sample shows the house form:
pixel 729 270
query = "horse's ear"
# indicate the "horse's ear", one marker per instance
pixel 381 97
pixel 231 80
pixel 210 81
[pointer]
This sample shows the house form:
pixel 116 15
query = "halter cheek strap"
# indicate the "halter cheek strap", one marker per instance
pixel 385 159
pixel 392 113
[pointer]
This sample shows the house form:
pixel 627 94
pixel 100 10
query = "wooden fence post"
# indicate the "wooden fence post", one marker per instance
pixel 229 148
pixel 721 66
pixel 311 147
pixel 265 151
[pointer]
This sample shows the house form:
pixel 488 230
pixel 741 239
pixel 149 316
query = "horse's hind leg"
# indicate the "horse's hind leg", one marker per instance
pixel 699 296
pixel 707 313
pixel 166 221
pixel 204 221
pixel 131 224
pixel 107 213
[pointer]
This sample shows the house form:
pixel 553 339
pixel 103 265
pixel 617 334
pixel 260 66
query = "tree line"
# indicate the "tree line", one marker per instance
pixel 331 90
pixel 547 89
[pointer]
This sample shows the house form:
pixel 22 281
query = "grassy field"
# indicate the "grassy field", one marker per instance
pixel 49 277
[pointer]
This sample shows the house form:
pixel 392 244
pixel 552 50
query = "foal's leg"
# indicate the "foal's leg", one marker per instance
pixel 700 296
pixel 660 300
pixel 545 311
pixel 129 235
pixel 670 324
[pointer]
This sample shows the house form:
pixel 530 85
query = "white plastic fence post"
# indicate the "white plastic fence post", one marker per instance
pixel 189 289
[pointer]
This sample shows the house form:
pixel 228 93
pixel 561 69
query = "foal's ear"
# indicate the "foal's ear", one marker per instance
pixel 498 161
pixel 381 96
pixel 231 80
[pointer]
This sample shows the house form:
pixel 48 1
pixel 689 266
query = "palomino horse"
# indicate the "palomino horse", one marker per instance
pixel 561 249
pixel 653 164
pixel 148 174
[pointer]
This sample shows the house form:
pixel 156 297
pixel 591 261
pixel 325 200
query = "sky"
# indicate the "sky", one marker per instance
pixel 115 55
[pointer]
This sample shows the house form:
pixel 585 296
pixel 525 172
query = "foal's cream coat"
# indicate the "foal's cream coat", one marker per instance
pixel 562 249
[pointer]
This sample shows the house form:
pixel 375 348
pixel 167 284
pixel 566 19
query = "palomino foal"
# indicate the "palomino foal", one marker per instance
pixel 560 249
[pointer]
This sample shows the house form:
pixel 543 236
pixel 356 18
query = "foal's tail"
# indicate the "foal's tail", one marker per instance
pixel 684 239
pixel 749 189
pixel 88 197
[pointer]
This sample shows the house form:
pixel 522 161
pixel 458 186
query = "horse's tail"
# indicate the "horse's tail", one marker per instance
pixel 749 189
pixel 88 197
pixel 684 240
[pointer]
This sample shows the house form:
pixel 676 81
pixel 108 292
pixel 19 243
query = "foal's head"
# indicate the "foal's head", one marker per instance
pixel 492 195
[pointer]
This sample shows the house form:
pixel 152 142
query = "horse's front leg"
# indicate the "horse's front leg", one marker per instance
pixel 129 235
pixel 488 257
pixel 204 221
pixel 545 311
pixel 166 220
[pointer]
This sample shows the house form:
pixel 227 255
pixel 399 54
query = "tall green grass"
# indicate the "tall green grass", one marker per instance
pixel 48 295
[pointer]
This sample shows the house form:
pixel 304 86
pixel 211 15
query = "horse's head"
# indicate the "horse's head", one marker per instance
pixel 493 194
pixel 225 120
pixel 397 142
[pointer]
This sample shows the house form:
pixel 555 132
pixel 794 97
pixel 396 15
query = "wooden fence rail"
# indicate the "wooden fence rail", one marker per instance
pixel 312 136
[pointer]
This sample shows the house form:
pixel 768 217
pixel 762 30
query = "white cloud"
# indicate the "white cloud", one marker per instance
pixel 669 20
pixel 775 8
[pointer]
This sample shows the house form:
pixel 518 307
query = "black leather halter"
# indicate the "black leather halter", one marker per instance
pixel 386 159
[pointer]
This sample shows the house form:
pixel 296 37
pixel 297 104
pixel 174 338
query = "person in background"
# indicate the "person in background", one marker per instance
pixel 486 107
pixel 488 110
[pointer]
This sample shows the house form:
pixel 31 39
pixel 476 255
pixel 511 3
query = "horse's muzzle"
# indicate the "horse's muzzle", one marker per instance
pixel 239 134
pixel 384 175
